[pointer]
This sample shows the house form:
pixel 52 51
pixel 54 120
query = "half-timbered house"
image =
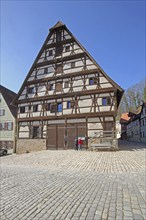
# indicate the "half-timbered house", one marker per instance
pixel 65 95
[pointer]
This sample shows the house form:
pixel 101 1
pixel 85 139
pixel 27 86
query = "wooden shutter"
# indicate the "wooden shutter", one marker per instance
pixel 72 104
pixel 59 68
pixel 58 87
pixel 53 108
pixel 58 49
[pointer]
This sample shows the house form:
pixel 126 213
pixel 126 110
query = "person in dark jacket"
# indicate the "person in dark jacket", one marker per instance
pixel 76 144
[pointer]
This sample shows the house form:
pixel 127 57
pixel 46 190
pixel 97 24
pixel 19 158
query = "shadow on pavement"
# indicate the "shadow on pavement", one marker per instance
pixel 131 146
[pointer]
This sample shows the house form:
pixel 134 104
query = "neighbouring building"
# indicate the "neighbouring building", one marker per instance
pixel 143 123
pixel 124 122
pixel 65 95
pixel 8 115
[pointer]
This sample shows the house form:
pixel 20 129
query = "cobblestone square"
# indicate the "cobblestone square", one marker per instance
pixel 75 185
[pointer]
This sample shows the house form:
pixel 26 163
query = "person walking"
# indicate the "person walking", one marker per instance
pixel 80 142
pixel 76 144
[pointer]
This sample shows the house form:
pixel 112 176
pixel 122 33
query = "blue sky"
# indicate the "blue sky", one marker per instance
pixel 113 32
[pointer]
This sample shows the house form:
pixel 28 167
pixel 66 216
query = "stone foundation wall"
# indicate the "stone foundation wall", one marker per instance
pixel 30 145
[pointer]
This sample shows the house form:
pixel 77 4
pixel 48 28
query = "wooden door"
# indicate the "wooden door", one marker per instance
pixel 51 137
pixel 71 135
pixel 60 136
pixel 81 132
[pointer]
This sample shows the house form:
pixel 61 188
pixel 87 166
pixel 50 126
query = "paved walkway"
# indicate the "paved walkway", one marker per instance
pixel 71 185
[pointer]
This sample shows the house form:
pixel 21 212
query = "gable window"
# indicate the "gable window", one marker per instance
pixel 2 112
pixel 59 107
pixel 106 101
pixel 93 81
pixel 67 48
pixel 66 84
pixel 73 64
pixel 2 126
pixel 22 109
pixel 58 50
pixel 50 52
pixel 46 70
pixel 35 108
pixel 58 86
pixel 30 90
pixel 68 104
pixel 58 36
pixel 59 68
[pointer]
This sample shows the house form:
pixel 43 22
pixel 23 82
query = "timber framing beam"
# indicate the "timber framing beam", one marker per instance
pixel 73 116
pixel 67 41
pixel 80 73
pixel 73 94
pixel 61 59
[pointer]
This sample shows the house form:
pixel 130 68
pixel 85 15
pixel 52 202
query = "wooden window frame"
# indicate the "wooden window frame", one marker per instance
pixel 73 64
pixel 35 108
pixel 22 109
pixel 50 53
pixel 30 90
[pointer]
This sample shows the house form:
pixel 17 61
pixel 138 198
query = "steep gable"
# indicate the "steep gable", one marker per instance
pixel 59 51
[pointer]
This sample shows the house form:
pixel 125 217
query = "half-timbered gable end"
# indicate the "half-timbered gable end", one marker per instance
pixel 65 95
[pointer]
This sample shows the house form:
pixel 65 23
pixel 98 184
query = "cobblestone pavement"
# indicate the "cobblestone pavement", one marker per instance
pixel 75 185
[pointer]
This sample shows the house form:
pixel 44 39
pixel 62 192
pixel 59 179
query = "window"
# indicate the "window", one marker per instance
pixel 29 108
pixel 10 126
pixel 58 50
pixel 53 108
pixel 2 126
pixel 91 81
pixel 72 104
pixel 68 104
pixel 2 112
pixel 66 84
pixel 58 36
pixel 58 86
pixel 50 52
pixel 47 106
pixel 50 87
pixel 30 90
pixel 106 101
pixel 35 108
pixel 36 132
pixel 72 64
pixel 22 109
pixel 46 70
pixel 59 107
pixel 67 48
pixel 59 68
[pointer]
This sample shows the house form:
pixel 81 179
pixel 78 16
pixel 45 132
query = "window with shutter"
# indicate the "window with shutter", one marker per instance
pixel 59 68
pixel 58 87
pixel 53 108
pixel 72 104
